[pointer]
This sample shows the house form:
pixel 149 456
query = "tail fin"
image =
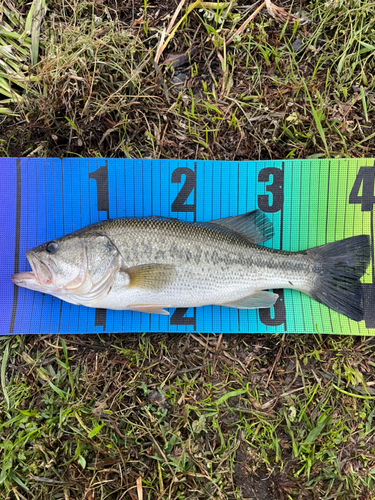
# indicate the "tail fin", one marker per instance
pixel 338 268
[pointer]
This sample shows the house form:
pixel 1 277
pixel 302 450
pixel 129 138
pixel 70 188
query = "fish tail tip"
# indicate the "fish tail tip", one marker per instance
pixel 338 269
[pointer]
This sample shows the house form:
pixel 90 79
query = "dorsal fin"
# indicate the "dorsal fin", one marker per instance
pixel 254 225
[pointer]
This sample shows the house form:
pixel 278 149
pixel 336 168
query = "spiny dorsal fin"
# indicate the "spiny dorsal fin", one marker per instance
pixel 254 225
pixel 151 276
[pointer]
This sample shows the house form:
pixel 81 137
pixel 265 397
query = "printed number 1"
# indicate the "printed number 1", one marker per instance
pixel 179 205
pixel 100 176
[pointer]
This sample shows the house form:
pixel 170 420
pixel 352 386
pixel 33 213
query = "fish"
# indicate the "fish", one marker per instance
pixel 154 263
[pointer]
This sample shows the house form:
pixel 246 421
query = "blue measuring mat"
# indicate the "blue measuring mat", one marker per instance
pixel 309 202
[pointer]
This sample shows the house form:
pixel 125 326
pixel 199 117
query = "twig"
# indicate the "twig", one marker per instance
pixel 276 360
pixel 174 17
pixel 244 24
pixel 191 7
pixel 159 50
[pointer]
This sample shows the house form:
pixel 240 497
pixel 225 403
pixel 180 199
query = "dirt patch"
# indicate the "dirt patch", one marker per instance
pixel 258 485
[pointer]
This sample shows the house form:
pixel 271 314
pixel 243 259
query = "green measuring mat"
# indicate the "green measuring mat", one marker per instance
pixel 310 203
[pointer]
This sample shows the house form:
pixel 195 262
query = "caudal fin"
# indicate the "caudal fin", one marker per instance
pixel 338 268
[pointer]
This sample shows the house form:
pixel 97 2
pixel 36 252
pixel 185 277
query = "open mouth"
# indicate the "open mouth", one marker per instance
pixel 21 279
pixel 40 276
pixel 42 273
pixel 29 280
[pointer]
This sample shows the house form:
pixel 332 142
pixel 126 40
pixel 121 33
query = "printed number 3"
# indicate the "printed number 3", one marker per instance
pixel 276 188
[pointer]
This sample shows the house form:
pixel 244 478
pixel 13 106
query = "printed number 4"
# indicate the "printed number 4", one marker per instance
pixel 365 179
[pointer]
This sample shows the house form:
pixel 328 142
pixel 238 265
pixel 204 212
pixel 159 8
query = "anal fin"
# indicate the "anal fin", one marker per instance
pixel 258 300
pixel 149 308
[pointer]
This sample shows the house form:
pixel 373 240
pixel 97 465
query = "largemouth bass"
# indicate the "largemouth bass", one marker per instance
pixel 151 264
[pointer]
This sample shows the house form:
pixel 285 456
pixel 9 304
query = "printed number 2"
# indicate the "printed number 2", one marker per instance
pixel 366 179
pixel 180 205
pixel 272 205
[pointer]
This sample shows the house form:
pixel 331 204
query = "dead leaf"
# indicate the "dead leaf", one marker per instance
pixel 139 488
pixel 138 21
pixel 282 15
pixel 177 59
pixel 89 493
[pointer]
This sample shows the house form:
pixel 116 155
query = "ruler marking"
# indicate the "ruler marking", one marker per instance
pixel 27 232
pixel 151 191
pixel 27 225
pixel 299 240
pixel 290 240
pixel 308 235
pixel 17 245
pixel 72 227
pixel 327 205
pixel 372 246
pixel 317 240
pixel 256 187
pixel 238 208
pixel 354 210
pixel 344 224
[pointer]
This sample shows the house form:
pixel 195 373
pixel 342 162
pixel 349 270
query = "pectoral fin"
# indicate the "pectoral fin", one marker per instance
pixel 151 276
pixel 257 300
pixel 149 308
pixel 254 225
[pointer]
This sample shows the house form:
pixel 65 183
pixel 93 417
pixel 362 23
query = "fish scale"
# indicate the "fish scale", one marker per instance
pixel 212 263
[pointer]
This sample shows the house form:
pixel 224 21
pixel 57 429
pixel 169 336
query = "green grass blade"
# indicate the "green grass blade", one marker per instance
pixel 33 21
pixel 4 362
pixel 317 120
pixel 95 431
pixel 230 395
pixel 6 111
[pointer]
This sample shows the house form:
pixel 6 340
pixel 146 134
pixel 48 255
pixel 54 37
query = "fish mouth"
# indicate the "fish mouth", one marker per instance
pixel 40 268
pixel 21 279
pixel 38 279
pixel 29 280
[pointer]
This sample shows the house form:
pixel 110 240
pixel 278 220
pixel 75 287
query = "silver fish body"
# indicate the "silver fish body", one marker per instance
pixel 209 265
pixel 155 263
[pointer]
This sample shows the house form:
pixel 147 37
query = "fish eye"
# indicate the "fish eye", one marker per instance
pixel 52 247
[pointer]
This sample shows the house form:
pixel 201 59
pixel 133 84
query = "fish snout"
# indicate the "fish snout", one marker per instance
pixel 21 279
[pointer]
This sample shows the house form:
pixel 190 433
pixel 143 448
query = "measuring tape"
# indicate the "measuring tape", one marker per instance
pixel 310 203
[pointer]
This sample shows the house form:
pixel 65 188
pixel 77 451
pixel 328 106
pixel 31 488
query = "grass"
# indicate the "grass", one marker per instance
pixel 98 91
pixel 17 50
pixel 187 417
pixel 191 416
